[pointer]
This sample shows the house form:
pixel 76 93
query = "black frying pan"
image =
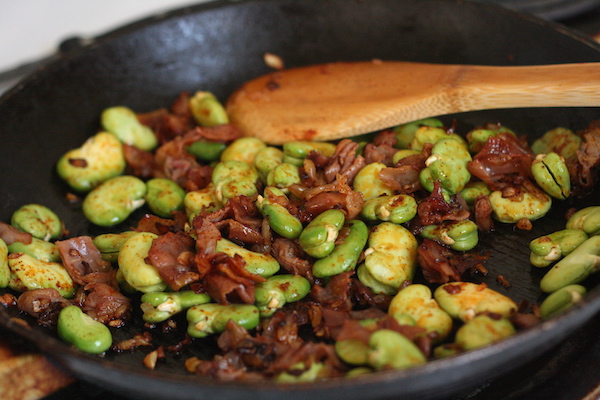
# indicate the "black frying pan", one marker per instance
pixel 216 47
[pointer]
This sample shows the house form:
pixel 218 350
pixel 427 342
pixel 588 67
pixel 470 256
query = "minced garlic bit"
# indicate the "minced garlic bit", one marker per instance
pixel 150 359
pixel 273 61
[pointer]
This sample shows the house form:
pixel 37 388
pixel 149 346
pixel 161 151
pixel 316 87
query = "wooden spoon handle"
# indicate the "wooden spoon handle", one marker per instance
pixel 332 101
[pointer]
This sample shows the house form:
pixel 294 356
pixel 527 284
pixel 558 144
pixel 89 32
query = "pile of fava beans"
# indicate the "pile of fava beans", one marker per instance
pixel 320 252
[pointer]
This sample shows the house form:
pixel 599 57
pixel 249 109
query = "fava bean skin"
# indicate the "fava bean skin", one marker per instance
pixel 97 160
pixel 574 268
pixel 368 183
pixel 416 301
pixel 38 248
pixel 243 149
pixel 483 330
pixel 460 236
pixel 465 300
pixel 530 207
pixel 561 300
pixel 164 196
pixel 551 174
pixel 280 219
pixel 319 236
pixel 82 331
pixel 124 124
pixel 207 110
pixel 392 254
pixel 113 201
pixel 38 220
pixel 205 150
pixel 391 350
pixel 344 256
pixel 109 244
pixel 160 306
pixel 405 133
pixel 398 209
pixel 550 248
pixel 587 219
pixel 136 271
pixel 207 319
pixel 28 273
pixel 560 140
pixel 201 200
pixel 4 269
pixel 279 290
pixel 257 263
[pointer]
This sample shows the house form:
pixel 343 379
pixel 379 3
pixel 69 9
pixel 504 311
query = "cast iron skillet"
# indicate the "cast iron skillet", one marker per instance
pixel 216 47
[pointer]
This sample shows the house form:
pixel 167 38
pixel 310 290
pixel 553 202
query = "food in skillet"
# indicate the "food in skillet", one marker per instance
pixel 305 261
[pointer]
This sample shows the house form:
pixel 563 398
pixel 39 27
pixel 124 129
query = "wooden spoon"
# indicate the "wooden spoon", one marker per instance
pixel 344 99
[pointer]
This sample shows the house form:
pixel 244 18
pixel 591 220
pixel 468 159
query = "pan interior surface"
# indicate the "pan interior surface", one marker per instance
pixel 216 47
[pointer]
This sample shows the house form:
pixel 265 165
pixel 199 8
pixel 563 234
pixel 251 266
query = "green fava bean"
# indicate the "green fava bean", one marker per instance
pixel 125 125
pixel 482 331
pixel 479 136
pixel 234 178
pixel 113 201
pixel 405 133
pixel 279 290
pixel 266 160
pixel 344 256
pixel 472 190
pixel 559 140
pixel 38 248
pixel 432 134
pixel 529 207
pixel 283 175
pixel 392 254
pixel 550 248
pixel 551 173
pixel 465 300
pixel 352 351
pixel 38 220
pixel 460 236
pixel 243 149
pixel 82 331
pixel 207 110
pixel 448 165
pixel 574 268
pixel 109 244
pixel 164 196
pixel 203 200
pixel 561 300
pixel 398 209
pixel 280 219
pixel 28 273
pixel 416 301
pixel 206 150
pixel 207 319
pixel 300 149
pixel 4 268
pixel 257 263
pixel 319 236
pixel 368 183
pixel 158 307
pixel 132 263
pixel 400 154
pixel 97 160
pixel 391 350
pixel 587 219
pixel 299 373
pixel 366 278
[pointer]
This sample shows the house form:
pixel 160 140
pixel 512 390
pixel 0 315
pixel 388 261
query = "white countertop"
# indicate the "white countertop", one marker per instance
pixel 33 29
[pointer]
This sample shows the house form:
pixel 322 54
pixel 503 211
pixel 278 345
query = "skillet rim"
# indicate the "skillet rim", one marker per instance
pixel 591 305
